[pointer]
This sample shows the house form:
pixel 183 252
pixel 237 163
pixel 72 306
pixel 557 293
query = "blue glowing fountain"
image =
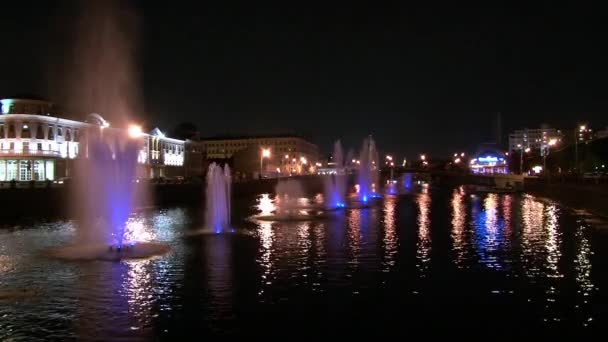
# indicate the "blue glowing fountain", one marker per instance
pixel 368 171
pixel 335 184
pixel 104 193
pixel 217 213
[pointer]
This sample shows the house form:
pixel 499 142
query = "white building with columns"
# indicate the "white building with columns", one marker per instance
pixel 36 145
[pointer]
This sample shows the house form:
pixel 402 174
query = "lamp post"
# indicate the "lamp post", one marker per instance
pixel 264 154
pixel 389 161
pixel 546 147
pixel 521 157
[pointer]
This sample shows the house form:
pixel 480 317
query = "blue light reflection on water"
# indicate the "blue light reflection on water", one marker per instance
pixel 527 257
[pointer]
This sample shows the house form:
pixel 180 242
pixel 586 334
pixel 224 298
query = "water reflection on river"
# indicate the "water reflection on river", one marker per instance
pixel 444 258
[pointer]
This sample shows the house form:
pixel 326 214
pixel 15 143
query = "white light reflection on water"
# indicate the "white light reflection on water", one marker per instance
pixel 266 236
pixel 458 227
pixel 582 267
pixel 265 205
pixel 532 212
pixel 138 287
pixel 423 246
pixel 354 235
pixel 390 239
pixel 488 240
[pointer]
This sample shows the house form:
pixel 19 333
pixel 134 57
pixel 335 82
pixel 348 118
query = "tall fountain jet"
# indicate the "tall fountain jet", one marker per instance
pixel 105 188
pixel 335 184
pixel 217 213
pixel 368 170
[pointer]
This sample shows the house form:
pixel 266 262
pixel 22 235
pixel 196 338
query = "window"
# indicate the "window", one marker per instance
pixel 11 131
pixel 51 135
pixel 11 170
pixel 50 170
pixel 2 170
pixel 68 136
pixel 25 131
pixel 38 170
pixel 12 146
pixel 26 147
pixel 1 131
pixel 39 147
pixel 59 131
pixel 39 132
pixel 75 135
pixel 25 170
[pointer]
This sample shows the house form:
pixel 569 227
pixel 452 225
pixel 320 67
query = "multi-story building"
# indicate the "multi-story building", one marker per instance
pixel 286 154
pixel 35 146
pixel 534 138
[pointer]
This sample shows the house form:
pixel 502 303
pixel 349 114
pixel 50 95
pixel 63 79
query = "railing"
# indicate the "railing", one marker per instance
pixel 29 152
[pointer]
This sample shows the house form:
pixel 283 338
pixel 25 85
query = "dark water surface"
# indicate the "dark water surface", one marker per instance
pixel 428 262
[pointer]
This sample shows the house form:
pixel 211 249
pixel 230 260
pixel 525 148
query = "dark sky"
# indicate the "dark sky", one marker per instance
pixel 417 78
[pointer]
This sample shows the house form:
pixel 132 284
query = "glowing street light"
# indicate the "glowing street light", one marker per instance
pixel 303 160
pixel 457 160
pixel 389 158
pixel 462 154
pixel 422 157
pixel 134 131
pixel 287 156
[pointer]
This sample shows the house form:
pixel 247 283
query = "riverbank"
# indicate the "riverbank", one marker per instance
pixel 592 198
pixel 53 202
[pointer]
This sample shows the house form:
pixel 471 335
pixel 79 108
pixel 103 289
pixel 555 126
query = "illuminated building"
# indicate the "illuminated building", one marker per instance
pixel 533 138
pixel 36 145
pixel 289 154
pixel 489 162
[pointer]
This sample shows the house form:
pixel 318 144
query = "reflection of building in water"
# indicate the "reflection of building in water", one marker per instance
pixel 390 239
pixel 265 260
pixel 458 224
pixel 423 247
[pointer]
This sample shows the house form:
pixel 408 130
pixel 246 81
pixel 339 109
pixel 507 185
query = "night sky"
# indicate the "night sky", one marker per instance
pixel 420 79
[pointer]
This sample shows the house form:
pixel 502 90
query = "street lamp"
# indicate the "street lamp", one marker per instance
pixel 390 162
pixel 422 157
pixel 134 131
pixel 521 157
pixel 264 154
pixel 545 151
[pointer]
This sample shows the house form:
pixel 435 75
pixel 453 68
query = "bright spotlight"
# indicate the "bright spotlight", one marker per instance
pixel 135 131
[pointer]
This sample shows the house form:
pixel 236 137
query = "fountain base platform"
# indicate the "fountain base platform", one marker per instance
pixel 291 217
pixel 103 252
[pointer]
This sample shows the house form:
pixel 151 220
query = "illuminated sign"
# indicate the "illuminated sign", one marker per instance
pixel 488 159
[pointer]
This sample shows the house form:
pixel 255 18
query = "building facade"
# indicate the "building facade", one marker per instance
pixel 489 162
pixel 534 138
pixel 285 154
pixel 36 146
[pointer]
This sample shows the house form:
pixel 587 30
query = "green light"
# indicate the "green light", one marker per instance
pixel 6 105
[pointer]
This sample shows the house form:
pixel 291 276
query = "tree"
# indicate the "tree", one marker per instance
pixel 185 130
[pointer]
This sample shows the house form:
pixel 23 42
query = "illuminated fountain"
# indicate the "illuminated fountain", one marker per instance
pixel 406 180
pixel 368 171
pixel 217 212
pixel 291 204
pixel 335 184
pixel 105 192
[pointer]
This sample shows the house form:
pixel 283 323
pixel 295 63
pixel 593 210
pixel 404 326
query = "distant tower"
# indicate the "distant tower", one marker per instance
pixel 498 130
